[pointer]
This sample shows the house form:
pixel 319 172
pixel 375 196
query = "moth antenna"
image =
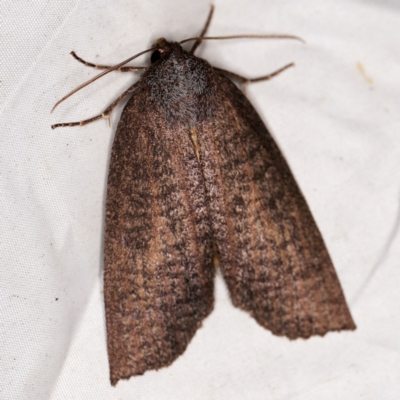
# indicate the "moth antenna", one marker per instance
pixel 98 66
pixel 105 114
pixel 101 75
pixel 200 38
pixel 204 31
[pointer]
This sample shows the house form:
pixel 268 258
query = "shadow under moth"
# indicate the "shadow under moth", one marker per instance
pixel 196 181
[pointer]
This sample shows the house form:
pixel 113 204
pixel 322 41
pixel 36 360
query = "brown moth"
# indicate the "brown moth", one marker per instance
pixel 195 176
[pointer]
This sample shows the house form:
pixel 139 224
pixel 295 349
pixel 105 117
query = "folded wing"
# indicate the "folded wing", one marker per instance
pixel 271 252
pixel 158 271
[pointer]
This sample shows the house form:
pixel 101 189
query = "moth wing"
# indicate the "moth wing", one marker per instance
pixel 271 252
pixel 158 270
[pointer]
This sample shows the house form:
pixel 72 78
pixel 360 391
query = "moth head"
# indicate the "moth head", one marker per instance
pixel 162 47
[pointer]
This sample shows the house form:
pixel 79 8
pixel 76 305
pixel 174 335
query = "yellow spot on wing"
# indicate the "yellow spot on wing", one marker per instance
pixel 193 136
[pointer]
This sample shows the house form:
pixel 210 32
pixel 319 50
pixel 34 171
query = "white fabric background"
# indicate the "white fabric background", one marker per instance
pixel 336 116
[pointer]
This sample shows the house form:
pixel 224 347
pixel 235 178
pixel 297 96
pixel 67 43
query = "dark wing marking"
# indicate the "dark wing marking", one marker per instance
pixel 271 252
pixel 158 272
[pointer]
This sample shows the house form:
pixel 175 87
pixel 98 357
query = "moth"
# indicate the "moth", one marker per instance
pixel 195 181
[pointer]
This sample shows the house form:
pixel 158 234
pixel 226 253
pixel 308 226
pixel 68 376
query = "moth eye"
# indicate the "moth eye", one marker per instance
pixel 155 56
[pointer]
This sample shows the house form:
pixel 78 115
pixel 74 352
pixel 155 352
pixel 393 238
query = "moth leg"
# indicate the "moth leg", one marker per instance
pixel 97 66
pixel 244 81
pixel 106 113
pixel 204 31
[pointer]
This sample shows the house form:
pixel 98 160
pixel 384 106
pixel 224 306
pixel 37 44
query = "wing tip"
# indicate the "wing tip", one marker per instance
pixel 138 367
pixel 118 373
pixel 307 328
pixel 316 331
